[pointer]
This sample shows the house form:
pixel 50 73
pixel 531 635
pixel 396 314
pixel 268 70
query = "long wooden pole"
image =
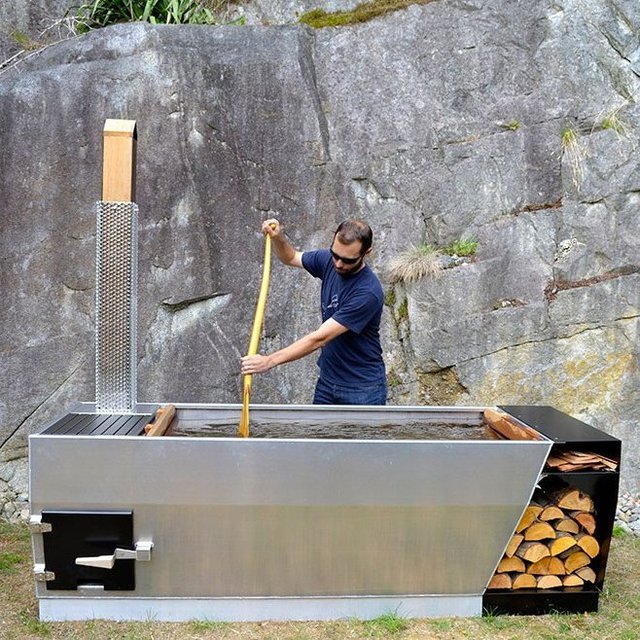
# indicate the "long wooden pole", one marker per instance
pixel 243 429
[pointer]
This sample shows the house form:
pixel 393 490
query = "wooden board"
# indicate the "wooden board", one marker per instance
pixel 119 160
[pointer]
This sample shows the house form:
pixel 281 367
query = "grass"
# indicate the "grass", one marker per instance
pixel 318 18
pixel 464 247
pixel 386 625
pixel 514 125
pixel 94 14
pixel 24 41
pixel 575 154
pixel 415 263
pixel 616 619
pixel 611 120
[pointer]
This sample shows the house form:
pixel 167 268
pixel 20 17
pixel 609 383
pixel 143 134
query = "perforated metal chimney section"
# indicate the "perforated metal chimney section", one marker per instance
pixel 116 303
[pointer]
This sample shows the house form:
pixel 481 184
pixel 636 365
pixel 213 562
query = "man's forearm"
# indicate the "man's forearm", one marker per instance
pixel 298 349
pixel 284 250
pixel 302 347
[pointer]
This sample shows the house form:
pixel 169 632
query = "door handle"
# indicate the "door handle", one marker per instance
pixel 142 553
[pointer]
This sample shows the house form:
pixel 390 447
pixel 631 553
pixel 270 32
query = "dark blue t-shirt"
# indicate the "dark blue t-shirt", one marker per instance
pixel 355 301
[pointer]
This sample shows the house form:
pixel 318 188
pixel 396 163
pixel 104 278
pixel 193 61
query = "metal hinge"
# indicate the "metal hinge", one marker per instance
pixel 41 574
pixel 37 526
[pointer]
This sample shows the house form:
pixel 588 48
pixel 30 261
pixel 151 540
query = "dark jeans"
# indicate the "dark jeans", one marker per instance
pixel 327 393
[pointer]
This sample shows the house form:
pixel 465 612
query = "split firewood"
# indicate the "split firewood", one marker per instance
pixel 572 580
pixel 573 499
pixel 580 460
pixel 500 581
pixel 549 582
pixel 524 581
pixel 587 574
pixel 567 525
pixel 575 561
pixel 513 545
pixel 586 520
pixel 547 567
pixel 513 564
pixel 533 551
pixel 528 517
pixel 507 426
pixel 162 421
pixel 552 512
pixel 563 542
pixel 588 544
pixel 539 531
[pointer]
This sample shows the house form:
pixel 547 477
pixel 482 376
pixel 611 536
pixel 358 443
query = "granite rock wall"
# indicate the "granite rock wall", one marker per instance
pixel 513 123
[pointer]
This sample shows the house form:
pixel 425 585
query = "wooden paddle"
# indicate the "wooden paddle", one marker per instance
pixel 243 429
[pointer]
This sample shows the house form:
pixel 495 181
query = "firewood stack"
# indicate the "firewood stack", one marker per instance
pixel 553 545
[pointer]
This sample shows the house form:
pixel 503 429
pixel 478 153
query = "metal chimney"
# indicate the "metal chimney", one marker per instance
pixel 116 272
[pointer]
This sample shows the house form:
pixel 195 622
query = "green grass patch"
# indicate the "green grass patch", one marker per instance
pixel 387 624
pixel 390 297
pixel 514 125
pixel 102 13
pixel 442 625
pixel 403 310
pixel 200 626
pixel 464 247
pixel 8 562
pixel 318 18
pixel 24 41
pixel 34 626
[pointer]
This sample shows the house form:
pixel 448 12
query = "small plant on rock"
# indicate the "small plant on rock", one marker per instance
pixel 514 125
pixel 611 120
pixel 463 248
pixel 575 154
pixel 415 263
pixel 101 13
pixel 319 18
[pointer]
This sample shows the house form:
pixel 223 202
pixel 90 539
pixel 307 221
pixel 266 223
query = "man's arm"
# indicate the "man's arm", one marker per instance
pixel 326 332
pixel 286 253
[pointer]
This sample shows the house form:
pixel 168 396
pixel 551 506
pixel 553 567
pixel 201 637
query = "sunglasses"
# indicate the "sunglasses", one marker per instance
pixel 336 257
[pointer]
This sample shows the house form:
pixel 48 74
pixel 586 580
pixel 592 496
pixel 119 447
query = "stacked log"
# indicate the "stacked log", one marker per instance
pixel 553 546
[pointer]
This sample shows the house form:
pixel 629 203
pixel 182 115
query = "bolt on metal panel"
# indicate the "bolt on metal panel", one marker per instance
pixel 116 303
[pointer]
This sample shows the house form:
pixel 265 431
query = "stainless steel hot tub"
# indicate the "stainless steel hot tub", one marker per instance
pixel 282 527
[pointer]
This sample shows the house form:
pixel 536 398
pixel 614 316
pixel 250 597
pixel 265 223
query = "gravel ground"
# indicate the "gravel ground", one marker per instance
pixel 628 514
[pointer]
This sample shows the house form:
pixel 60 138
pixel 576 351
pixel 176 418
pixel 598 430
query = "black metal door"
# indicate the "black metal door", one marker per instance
pixel 88 533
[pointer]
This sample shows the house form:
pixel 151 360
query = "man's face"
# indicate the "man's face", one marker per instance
pixel 347 258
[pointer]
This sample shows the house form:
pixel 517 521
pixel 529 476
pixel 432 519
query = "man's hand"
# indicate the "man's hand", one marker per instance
pixel 285 252
pixel 271 227
pixel 255 364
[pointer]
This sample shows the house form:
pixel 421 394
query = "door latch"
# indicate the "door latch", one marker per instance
pixel 142 553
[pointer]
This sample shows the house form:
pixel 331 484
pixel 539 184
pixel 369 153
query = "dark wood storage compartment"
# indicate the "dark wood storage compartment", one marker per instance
pixel 568 434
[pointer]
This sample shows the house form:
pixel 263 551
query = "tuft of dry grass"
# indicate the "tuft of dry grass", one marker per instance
pixel 422 261
pixel 575 153
pixel 616 620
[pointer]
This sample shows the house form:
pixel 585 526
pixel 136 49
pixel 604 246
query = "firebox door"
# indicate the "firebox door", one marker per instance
pixel 90 548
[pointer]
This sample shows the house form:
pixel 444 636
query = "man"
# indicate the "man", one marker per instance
pixel 351 365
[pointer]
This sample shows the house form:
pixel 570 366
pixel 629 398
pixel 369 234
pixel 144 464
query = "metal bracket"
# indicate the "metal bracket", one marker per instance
pixel 37 526
pixel 41 574
pixel 141 553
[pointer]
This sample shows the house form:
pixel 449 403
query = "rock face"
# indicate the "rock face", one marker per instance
pixel 516 126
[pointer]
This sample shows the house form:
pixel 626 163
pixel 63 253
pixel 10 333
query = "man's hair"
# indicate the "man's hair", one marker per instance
pixel 351 230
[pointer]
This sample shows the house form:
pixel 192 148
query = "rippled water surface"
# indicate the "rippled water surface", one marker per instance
pixel 346 431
